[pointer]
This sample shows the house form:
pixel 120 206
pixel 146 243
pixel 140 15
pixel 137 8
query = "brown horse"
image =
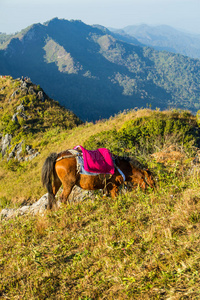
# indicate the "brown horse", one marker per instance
pixel 64 170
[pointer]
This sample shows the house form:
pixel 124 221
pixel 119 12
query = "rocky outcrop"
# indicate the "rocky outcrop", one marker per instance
pixel 39 207
pixel 5 143
pixel 17 153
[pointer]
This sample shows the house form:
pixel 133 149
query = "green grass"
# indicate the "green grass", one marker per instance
pixel 138 246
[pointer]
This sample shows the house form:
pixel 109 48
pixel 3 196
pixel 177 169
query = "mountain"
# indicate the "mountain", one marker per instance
pixel 95 73
pixel 164 37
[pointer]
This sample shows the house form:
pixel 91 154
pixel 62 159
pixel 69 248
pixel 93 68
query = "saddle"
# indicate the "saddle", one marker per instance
pixel 97 161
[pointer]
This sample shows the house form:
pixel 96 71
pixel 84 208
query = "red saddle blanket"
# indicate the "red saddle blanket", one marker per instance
pixel 98 161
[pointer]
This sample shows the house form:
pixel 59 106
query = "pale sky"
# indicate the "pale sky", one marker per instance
pixel 16 15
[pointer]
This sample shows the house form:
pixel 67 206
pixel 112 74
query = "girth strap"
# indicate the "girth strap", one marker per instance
pixel 121 173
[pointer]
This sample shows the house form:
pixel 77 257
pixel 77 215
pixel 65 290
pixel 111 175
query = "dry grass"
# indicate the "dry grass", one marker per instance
pixel 139 246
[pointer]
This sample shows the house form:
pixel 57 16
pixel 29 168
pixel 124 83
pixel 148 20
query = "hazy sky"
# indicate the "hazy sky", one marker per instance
pixel 182 14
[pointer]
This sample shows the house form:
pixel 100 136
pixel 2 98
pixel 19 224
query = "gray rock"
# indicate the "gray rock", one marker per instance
pixel 31 90
pixel 16 152
pixel 29 150
pixel 20 107
pixel 23 84
pixel 32 156
pixel 5 143
pixel 14 94
pixel 40 206
pixel 40 96
pixel 7 213
pixel 21 114
pixel 14 118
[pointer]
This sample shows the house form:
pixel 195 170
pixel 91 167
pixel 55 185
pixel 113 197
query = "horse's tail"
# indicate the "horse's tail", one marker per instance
pixel 47 174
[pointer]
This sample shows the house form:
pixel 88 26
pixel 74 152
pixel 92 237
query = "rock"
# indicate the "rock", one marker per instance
pixel 21 114
pixel 14 118
pixel 30 157
pixel 19 150
pixel 5 143
pixel 29 150
pixel 20 107
pixel 78 194
pixel 39 207
pixel 16 152
pixel 7 213
pixel 14 94
pixel 40 96
pixel 31 90
pixel 24 84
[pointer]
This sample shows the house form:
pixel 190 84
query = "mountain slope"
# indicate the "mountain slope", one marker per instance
pixel 164 38
pixel 95 75
pixel 136 246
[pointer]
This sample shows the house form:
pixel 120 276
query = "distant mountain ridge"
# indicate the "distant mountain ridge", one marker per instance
pixel 96 73
pixel 164 37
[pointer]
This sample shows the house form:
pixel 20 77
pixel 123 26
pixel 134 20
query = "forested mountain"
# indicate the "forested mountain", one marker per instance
pixel 95 73
pixel 164 37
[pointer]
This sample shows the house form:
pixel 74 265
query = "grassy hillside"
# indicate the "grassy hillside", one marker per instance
pixel 137 246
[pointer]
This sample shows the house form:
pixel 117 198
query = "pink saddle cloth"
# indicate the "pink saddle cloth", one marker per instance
pixel 98 161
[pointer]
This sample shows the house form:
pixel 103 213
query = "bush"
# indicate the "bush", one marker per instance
pixel 145 135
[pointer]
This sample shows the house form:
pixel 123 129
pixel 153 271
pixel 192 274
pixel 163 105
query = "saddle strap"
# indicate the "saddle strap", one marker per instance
pixel 74 153
pixel 121 173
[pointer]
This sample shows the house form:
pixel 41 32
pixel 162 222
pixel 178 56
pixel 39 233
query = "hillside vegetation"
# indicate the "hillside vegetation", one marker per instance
pixel 96 74
pixel 141 245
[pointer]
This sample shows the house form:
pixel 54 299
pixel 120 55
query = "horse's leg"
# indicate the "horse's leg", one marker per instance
pixel 56 184
pixel 67 176
pixel 66 192
pixel 112 189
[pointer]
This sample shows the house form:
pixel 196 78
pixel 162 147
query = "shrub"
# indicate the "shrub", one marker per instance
pixel 147 134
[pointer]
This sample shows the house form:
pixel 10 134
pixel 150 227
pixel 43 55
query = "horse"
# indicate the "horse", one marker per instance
pixel 62 169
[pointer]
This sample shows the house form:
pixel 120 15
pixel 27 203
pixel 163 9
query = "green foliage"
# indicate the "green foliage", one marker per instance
pixel 11 127
pixel 144 135
pixel 4 202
